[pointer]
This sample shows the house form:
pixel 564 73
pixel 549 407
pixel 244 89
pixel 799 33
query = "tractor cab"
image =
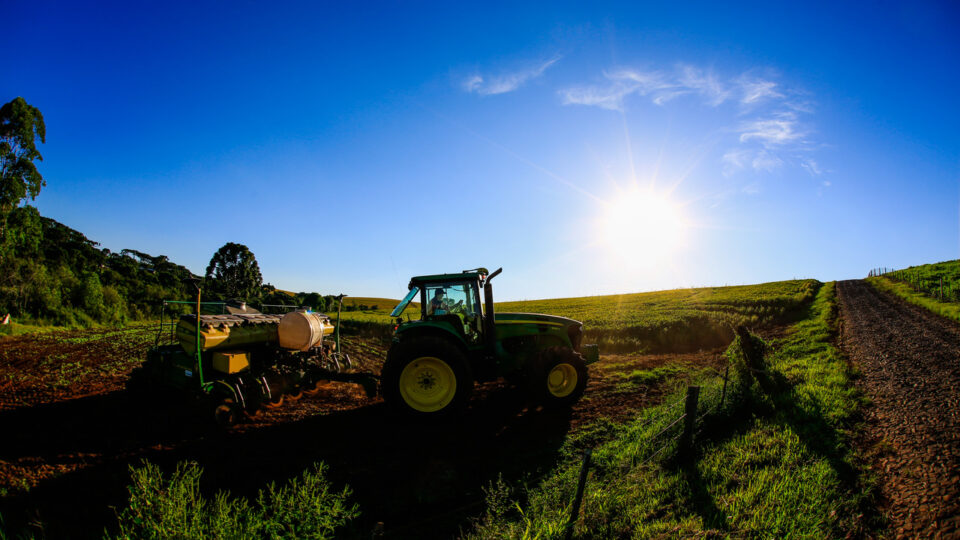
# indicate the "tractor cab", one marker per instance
pixel 449 299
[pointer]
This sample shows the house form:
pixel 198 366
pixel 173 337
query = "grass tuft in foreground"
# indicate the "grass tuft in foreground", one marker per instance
pixel 775 461
pixel 173 507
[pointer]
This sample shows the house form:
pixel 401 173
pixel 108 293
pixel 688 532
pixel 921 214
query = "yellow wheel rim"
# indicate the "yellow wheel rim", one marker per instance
pixel 562 380
pixel 428 384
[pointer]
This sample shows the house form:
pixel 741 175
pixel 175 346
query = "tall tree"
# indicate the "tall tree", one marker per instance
pixel 21 124
pixel 235 272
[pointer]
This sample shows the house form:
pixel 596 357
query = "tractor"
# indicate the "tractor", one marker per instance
pixel 241 360
pixel 433 361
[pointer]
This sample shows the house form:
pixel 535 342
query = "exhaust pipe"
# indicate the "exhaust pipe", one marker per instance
pixel 489 330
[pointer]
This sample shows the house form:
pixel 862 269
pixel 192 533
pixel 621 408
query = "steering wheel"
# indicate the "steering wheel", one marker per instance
pixel 458 307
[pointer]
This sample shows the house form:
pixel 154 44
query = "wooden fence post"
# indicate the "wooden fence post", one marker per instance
pixel 723 393
pixel 755 360
pixel 689 420
pixel 581 484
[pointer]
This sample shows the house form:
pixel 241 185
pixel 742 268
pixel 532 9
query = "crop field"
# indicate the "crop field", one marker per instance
pixel 662 321
pixel 63 396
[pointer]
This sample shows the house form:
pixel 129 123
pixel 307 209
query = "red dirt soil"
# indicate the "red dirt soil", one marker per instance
pixel 70 435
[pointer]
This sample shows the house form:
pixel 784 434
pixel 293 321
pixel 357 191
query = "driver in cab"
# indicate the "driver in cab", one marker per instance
pixel 439 305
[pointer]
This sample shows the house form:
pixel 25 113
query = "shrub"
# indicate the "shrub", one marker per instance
pixel 173 507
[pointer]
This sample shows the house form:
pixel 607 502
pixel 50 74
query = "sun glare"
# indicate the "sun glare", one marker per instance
pixel 642 227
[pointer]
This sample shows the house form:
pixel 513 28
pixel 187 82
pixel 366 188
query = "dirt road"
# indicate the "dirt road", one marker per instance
pixel 910 360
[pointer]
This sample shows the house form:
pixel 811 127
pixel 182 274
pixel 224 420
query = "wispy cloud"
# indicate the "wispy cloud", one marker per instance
pixel 739 159
pixel 735 160
pixel 765 161
pixel 704 83
pixel 505 82
pixel 777 130
pixel 755 90
pixel 812 168
pixel 623 82
pixel 770 122
pixel 662 87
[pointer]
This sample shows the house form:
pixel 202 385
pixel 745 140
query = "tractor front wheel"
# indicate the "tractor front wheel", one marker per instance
pixel 426 376
pixel 558 377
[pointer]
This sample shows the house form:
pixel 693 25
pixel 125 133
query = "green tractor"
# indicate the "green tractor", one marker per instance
pixel 433 362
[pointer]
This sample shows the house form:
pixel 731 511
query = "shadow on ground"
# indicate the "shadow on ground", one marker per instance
pixel 422 480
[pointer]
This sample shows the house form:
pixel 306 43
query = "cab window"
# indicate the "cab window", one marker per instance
pixel 450 298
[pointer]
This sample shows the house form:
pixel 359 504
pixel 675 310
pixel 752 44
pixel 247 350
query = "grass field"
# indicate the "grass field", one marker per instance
pixel 376 305
pixel 768 464
pixel 935 287
pixel 940 281
pixel 664 321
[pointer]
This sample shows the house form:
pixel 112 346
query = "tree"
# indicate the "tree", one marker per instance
pixel 20 125
pixel 235 272
pixel 23 233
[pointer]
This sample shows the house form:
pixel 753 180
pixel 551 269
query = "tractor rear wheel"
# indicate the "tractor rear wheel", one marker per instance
pixel 426 376
pixel 558 377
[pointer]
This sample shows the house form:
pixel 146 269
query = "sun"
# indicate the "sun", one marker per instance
pixel 642 227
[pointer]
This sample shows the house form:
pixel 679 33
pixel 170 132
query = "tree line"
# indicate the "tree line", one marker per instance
pixel 50 273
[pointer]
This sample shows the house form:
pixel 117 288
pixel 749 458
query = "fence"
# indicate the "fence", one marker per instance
pixel 939 287
pixel 674 428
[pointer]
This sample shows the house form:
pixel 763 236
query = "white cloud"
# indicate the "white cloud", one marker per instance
pixel 812 167
pixel 735 160
pixel 738 159
pixel 623 82
pixel 608 98
pixel 752 188
pixel 770 122
pixel 754 90
pixel 704 83
pixel 765 161
pixel 644 81
pixel 505 82
pixel 778 130
pixel 658 86
pixel 472 84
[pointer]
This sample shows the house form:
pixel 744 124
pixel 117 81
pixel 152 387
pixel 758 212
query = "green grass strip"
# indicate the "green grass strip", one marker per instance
pixel 950 310
pixel 767 465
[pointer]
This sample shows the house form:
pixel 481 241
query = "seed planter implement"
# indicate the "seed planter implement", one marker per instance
pixel 242 360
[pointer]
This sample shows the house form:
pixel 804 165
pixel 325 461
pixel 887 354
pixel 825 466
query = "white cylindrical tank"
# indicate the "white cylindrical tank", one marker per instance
pixel 301 330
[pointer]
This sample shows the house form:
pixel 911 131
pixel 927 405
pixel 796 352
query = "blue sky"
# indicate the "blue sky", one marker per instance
pixel 587 150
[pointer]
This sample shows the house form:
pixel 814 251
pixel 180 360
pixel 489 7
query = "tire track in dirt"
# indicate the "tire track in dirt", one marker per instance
pixel 910 361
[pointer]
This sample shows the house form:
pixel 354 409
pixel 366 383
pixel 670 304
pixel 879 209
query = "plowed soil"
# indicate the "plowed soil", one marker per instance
pixel 69 433
pixel 910 360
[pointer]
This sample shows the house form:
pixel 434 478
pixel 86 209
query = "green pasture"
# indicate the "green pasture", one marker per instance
pixel 674 320
pixel 774 461
pixel 935 287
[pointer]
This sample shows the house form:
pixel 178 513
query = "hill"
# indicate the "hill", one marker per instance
pixel 679 320
pixel 935 287
pixel 50 273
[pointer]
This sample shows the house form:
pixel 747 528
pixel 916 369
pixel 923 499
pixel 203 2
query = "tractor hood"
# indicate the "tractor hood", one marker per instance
pixel 534 318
